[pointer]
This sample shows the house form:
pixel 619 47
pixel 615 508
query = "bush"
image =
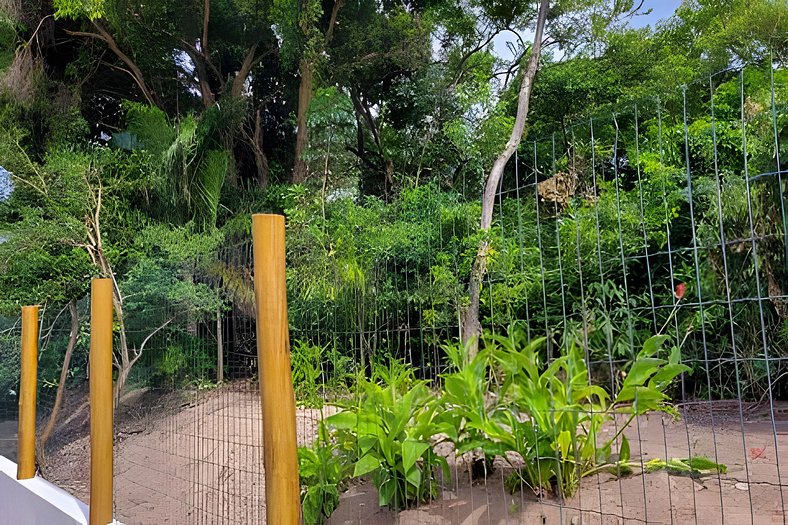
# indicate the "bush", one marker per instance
pixel 182 362
pixel 317 370
pixel 391 434
pixel 323 472
pixel 506 399
pixel 549 413
pixel 307 371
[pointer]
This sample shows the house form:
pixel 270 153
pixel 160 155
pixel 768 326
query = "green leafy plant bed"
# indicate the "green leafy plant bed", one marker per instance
pixel 323 473
pixel 549 414
pixel 390 433
pixel 546 420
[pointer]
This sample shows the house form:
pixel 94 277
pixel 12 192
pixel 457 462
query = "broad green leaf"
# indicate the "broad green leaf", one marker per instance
pixel 603 453
pixel 344 420
pixel 412 451
pixel 623 451
pixel 386 491
pixel 675 355
pixel 642 369
pixel 666 374
pixel 307 462
pixel 643 399
pixel 312 505
pixel 652 345
pixel 413 476
pixel 564 443
pixel 366 464
pixel 449 428
pixel 366 443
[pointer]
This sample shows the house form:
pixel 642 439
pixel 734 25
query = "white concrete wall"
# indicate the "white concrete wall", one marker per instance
pixel 36 501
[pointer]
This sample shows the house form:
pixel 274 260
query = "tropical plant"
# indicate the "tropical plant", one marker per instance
pixel 507 398
pixel 392 372
pixel 471 416
pixel 323 472
pixel 391 435
pixel 566 413
pixel 307 372
pixel 185 359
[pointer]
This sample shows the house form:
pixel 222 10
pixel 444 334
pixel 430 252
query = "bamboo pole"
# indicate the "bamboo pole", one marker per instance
pixel 26 466
pixel 101 402
pixel 282 498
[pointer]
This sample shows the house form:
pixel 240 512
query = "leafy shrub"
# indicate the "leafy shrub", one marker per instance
pixel 170 362
pixel 391 434
pixel 306 363
pixel 341 371
pixel 568 412
pixel 9 364
pixel 507 399
pixel 183 361
pixel 316 370
pixel 323 472
pixel 395 373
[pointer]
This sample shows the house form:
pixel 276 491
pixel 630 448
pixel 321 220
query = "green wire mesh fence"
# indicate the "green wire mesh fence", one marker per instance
pixel 661 217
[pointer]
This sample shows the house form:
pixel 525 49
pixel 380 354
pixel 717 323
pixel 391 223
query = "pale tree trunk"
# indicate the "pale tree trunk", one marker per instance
pixel 123 358
pixel 471 326
pixel 72 343
pixel 300 170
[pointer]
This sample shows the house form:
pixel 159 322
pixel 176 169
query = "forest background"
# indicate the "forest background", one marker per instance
pixel 137 138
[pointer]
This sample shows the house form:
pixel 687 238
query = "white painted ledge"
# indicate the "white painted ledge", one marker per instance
pixel 36 501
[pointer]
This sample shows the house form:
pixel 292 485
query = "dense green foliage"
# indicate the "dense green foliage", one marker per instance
pixel 546 419
pixel 506 399
pixel 323 474
pixel 140 137
pixel 647 198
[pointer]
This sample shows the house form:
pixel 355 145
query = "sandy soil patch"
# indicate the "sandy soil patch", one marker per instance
pixel 196 458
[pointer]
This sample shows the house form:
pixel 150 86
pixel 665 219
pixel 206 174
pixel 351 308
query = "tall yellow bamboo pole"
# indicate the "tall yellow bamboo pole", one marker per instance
pixel 282 499
pixel 101 402
pixel 26 466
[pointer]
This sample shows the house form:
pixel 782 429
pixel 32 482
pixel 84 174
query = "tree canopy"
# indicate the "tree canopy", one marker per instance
pixel 135 131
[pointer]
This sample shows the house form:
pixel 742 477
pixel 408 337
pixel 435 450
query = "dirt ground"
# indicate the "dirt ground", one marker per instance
pixel 196 458
pixel 752 492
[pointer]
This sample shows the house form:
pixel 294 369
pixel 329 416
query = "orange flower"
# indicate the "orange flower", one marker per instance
pixel 680 289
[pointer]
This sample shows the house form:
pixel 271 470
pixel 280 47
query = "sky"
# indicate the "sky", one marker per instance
pixel 660 9
pixel 6 186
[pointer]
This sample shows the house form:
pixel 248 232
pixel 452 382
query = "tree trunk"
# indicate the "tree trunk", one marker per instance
pixel 260 159
pixel 305 87
pixel 72 343
pixel 300 170
pixel 123 375
pixel 471 326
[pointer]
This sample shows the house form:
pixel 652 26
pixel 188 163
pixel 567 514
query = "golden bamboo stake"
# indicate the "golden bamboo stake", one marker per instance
pixel 26 466
pixel 101 402
pixel 282 498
